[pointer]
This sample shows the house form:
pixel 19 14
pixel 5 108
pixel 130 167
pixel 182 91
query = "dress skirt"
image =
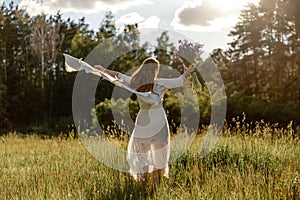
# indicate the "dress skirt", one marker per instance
pixel 149 145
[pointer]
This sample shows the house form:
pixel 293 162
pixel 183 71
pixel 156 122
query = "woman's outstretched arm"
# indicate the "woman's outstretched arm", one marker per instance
pixel 169 83
pixel 107 71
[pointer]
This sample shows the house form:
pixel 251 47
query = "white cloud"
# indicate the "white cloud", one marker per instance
pixel 207 15
pixel 151 22
pixel 34 8
pixel 134 17
pixel 79 6
pixel 130 18
pixel 214 25
pixel 130 3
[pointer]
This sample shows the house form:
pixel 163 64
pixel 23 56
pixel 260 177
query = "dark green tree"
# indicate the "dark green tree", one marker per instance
pixel 165 49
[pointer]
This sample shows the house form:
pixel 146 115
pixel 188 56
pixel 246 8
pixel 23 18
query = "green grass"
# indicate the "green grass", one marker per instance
pixel 241 166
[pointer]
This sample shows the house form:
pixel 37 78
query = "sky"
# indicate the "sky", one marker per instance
pixel 205 21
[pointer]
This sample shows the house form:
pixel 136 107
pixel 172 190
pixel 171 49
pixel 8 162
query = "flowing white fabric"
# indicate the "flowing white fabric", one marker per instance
pixel 73 64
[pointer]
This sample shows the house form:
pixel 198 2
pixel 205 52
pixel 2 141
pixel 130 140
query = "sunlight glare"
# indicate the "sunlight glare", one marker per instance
pixel 229 5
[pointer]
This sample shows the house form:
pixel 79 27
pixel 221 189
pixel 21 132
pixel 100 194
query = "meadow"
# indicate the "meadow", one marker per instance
pixel 261 163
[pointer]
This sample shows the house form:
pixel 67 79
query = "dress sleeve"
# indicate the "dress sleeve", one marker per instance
pixel 170 83
pixel 126 79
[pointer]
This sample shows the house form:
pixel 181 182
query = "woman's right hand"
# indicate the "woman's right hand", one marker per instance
pixel 99 67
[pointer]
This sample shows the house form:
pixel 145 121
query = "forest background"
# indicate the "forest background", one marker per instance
pixel 260 68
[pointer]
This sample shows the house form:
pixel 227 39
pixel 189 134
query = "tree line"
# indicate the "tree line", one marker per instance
pixel 260 68
pixel 35 89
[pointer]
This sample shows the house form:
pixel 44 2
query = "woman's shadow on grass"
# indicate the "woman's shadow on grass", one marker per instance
pixel 125 187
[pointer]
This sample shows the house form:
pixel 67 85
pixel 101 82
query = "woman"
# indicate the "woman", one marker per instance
pixel 149 145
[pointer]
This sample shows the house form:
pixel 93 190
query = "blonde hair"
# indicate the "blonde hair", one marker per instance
pixel 142 80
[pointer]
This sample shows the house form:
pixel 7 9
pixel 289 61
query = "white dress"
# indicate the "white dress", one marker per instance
pixel 149 145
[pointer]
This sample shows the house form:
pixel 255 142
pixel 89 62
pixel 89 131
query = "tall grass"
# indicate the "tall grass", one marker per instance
pixel 245 164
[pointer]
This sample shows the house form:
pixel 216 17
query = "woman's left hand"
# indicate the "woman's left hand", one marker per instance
pixel 189 69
